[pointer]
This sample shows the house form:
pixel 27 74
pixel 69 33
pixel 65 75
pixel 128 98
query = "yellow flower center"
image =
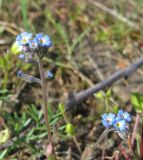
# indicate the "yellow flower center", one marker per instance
pixel 118 124
pixel 24 40
pixel 41 40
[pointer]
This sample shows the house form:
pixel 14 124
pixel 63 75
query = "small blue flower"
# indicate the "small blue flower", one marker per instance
pixel 33 44
pixel 108 119
pixel 21 56
pixel 49 75
pixel 23 38
pixel 19 73
pixel 39 36
pixel 120 125
pixel 124 115
pixel 44 40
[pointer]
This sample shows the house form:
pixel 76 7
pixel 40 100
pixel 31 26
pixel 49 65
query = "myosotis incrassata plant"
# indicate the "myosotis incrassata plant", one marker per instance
pixel 34 47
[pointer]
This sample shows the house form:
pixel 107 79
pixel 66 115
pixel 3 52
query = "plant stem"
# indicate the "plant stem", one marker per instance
pixel 89 149
pixel 46 117
pixel 137 120
pixel 73 137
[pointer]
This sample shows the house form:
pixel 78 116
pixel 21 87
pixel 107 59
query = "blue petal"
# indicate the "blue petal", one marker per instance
pixel 21 56
pixel 111 115
pixel 39 35
pixel 105 123
pixel 24 33
pixel 120 111
pixel 104 116
pixel 29 35
pixel 18 38
pixel 49 74
pixel 48 41
pixel 33 43
pixel 122 126
pixel 124 115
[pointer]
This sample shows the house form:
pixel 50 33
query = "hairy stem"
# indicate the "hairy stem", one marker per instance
pixel 46 117
pixel 89 149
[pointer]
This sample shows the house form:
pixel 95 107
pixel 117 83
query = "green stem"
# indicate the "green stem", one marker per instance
pixel 73 137
pixel 46 117
pixel 106 104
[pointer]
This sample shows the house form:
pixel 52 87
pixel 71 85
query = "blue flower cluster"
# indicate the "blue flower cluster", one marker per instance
pixel 39 40
pixel 119 122
pixel 32 45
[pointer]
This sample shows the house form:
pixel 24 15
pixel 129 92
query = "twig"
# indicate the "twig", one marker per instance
pixel 123 152
pixel 83 95
pixel 113 156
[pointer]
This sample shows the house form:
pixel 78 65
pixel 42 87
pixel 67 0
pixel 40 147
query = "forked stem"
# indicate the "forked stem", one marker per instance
pixel 45 103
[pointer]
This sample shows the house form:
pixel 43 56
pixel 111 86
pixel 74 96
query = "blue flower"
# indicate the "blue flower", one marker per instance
pixel 120 125
pixel 124 115
pixel 21 56
pixel 33 44
pixel 108 119
pixel 49 75
pixel 23 38
pixel 44 40
pixel 19 73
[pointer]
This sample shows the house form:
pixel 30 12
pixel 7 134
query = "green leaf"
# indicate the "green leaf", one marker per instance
pixel 40 115
pixel 137 101
pixel 70 130
pixel 99 95
pixel 54 121
pixel 32 111
pixel 24 5
pixel 3 91
pixel 4 136
pixel 109 93
pixel 3 153
pixel 30 133
pixel 3 62
pixel 61 108
pixel 115 109
pixel 42 135
pixel 27 122
pixel 23 118
pixel 15 49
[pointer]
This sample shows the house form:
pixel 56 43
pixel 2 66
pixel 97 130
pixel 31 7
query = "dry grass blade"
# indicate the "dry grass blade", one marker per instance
pixel 114 14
